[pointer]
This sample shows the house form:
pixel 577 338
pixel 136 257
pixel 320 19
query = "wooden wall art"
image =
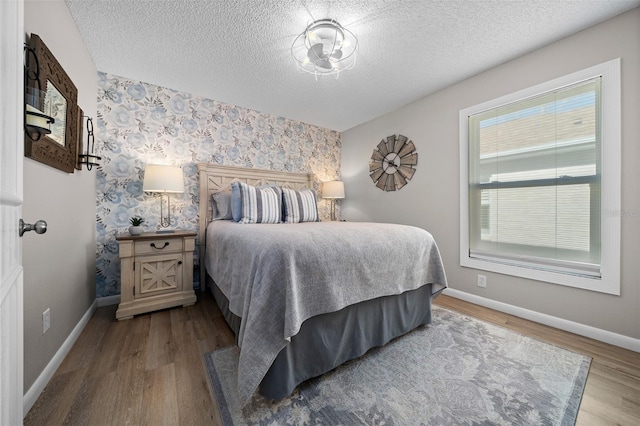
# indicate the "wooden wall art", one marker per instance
pixel 393 162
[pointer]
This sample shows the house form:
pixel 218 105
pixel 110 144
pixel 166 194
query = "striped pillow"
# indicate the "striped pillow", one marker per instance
pixel 299 206
pixel 260 205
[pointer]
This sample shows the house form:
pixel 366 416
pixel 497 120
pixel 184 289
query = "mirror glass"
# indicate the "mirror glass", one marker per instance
pixel 55 105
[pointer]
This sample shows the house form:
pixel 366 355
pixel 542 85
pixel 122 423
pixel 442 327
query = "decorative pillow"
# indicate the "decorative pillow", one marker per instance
pixel 236 202
pixel 299 206
pixel 221 204
pixel 260 205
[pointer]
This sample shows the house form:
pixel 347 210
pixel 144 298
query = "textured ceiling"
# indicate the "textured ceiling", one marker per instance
pixel 238 51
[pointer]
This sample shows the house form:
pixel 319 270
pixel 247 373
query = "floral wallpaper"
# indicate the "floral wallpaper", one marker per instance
pixel 139 124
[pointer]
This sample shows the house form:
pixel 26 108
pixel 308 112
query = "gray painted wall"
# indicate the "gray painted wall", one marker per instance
pixel 431 199
pixel 59 266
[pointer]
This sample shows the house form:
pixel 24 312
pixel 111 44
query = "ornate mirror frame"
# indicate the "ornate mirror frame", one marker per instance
pixel 46 150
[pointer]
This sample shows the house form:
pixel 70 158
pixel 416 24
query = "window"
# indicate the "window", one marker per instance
pixel 539 171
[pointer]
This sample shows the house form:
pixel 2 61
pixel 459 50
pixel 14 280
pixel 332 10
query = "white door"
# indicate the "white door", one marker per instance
pixel 11 157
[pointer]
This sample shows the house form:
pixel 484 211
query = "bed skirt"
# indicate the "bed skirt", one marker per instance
pixel 329 340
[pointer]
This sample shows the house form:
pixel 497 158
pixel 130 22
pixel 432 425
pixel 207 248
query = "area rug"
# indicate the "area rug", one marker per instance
pixel 458 370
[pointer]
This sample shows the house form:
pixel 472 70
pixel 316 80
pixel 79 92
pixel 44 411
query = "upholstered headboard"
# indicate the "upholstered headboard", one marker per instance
pixel 213 178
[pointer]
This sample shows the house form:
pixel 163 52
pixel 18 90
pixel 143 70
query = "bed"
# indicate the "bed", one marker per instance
pixel 304 298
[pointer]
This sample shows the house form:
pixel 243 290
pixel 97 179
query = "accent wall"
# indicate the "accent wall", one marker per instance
pixel 140 123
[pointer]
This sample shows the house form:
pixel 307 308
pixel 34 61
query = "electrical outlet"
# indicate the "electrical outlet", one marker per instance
pixel 482 281
pixel 46 320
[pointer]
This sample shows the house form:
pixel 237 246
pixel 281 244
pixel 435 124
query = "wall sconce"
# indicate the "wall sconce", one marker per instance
pixel 333 190
pixel 165 180
pixel 88 158
pixel 36 121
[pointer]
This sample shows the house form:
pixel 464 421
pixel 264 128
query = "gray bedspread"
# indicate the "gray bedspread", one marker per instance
pixel 278 275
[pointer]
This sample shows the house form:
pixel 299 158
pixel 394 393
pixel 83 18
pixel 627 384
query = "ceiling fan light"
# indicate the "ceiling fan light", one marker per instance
pixel 325 47
pixel 313 38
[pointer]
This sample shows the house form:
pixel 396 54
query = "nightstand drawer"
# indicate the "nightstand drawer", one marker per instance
pixel 161 245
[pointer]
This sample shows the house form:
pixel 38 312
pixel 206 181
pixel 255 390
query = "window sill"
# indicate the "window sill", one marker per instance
pixel 609 283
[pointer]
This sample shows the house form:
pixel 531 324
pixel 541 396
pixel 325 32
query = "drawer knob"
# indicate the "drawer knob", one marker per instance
pixel 166 243
pixel 179 262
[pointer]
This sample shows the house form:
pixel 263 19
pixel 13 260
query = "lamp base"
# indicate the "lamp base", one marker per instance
pixel 166 231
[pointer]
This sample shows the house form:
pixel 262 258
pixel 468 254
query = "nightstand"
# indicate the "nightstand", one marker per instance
pixel 156 272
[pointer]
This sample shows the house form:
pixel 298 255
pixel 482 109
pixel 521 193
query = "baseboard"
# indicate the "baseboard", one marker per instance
pixel 108 300
pixel 31 396
pixel 562 324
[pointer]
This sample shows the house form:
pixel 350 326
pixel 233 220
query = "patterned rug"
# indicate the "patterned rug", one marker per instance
pixel 458 370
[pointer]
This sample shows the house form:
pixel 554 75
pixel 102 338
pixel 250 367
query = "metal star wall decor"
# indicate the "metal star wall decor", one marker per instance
pixel 393 162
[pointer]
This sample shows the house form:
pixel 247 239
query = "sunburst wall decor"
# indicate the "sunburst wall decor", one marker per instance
pixel 393 162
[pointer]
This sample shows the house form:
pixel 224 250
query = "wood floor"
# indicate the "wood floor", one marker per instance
pixel 145 371
pixel 150 370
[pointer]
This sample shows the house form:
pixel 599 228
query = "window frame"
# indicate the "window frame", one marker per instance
pixel 610 227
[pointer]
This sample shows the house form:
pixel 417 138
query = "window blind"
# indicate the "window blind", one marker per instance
pixel 535 181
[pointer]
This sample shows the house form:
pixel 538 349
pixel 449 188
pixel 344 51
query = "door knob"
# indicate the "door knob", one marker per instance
pixel 40 227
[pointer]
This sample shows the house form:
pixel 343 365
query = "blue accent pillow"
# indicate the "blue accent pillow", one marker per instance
pixel 236 202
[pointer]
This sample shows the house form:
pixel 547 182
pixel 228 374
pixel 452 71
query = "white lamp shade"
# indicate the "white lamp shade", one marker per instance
pixel 333 189
pixel 160 178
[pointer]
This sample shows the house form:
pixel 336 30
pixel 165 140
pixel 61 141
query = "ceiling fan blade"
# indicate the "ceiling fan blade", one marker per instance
pixel 336 54
pixel 315 52
pixel 324 64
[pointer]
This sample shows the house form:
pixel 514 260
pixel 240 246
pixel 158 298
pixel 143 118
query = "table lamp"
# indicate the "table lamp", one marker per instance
pixel 333 190
pixel 165 180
